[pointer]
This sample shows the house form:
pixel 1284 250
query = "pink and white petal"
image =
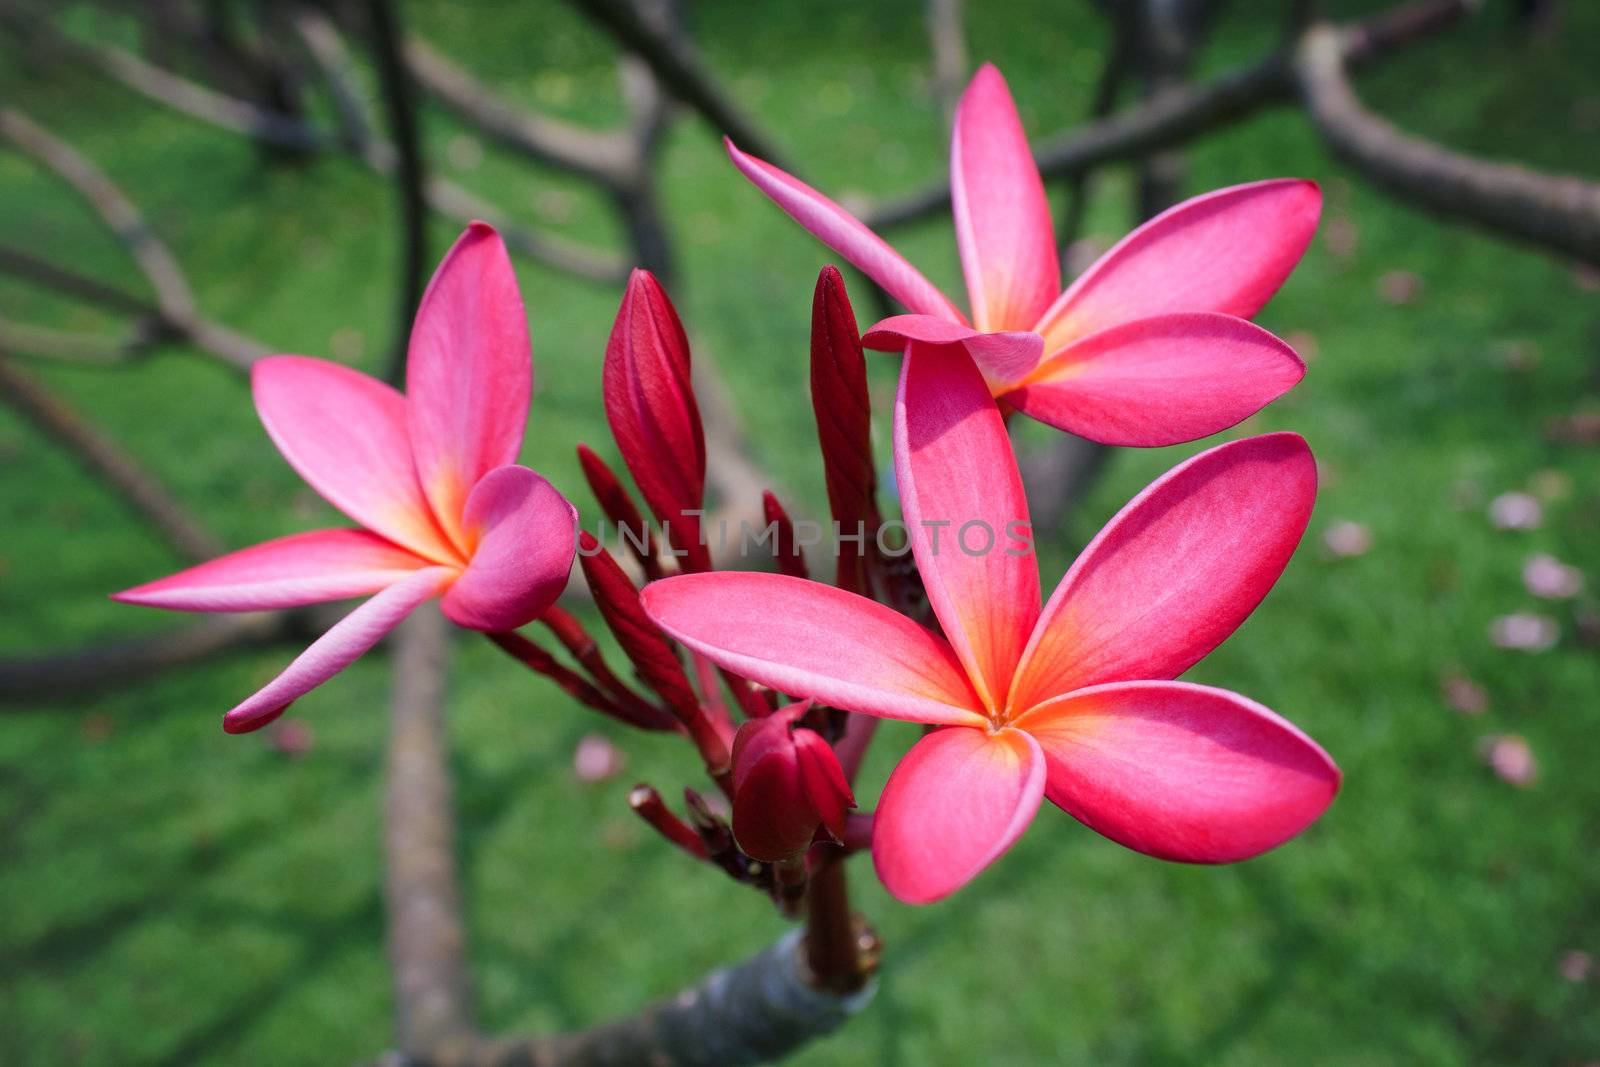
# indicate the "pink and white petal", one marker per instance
pixel 1004 358
pixel 345 433
pixel 1182 772
pixel 954 803
pixel 1160 381
pixel 807 639
pixel 523 536
pixel 1227 251
pixel 338 648
pixel 846 235
pixel 1175 572
pixel 1003 227
pixel 964 509
pixel 469 372
pixel 305 568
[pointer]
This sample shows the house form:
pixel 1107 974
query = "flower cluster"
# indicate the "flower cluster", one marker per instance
pixel 1074 698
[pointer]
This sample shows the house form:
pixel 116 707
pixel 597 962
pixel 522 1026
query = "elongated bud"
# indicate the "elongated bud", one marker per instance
pixel 791 560
pixel 844 425
pixel 618 600
pixel 644 800
pixel 786 783
pixel 616 504
pixel 651 408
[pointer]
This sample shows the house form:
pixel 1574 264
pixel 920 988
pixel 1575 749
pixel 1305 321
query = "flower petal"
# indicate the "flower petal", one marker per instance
pixel 1175 572
pixel 1179 771
pixel 1008 245
pixel 469 372
pixel 345 434
pixel 305 568
pixel 1004 358
pixel 812 640
pixel 1161 380
pixel 1227 250
pixel 524 537
pixel 337 649
pixel 954 803
pixel 846 235
pixel 966 514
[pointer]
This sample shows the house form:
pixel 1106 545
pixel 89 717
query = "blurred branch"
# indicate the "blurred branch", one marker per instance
pixel 680 68
pixel 401 110
pixel 1184 113
pixel 426 935
pixel 1119 58
pixel 108 462
pixel 756 1011
pixel 947 39
pixel 121 661
pixel 1552 211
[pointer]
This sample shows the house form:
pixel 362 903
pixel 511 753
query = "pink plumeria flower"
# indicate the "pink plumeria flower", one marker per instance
pixel 430 477
pixel 1148 347
pixel 1074 702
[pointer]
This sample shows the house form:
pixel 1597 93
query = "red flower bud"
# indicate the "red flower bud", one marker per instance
pixel 650 405
pixel 786 783
pixel 618 506
pixel 844 424
pixel 791 560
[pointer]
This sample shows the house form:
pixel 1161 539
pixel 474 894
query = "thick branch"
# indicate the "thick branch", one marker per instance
pixel 679 67
pixel 608 158
pixel 757 1011
pixel 107 462
pixel 427 939
pixel 103 665
pixel 1553 211
pixel 1182 114
pixel 947 39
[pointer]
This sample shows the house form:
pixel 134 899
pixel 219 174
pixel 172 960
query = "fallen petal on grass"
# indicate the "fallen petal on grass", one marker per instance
pixel 596 759
pixel 1549 578
pixel 1575 965
pixel 1463 694
pixel 1516 511
pixel 1511 759
pixel 1346 539
pixel 1525 631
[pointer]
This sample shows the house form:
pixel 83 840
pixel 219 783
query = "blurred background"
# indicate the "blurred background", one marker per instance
pixel 187 184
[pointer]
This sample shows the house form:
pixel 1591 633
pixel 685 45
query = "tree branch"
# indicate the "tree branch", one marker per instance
pixel 1553 211
pixel 756 1011
pixel 427 938
pixel 1182 114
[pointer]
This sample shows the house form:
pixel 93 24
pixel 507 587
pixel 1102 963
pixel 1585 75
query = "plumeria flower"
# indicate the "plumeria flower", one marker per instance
pixel 429 476
pixel 1148 347
pixel 1075 702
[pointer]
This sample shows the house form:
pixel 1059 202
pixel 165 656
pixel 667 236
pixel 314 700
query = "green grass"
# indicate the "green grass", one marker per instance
pixel 171 895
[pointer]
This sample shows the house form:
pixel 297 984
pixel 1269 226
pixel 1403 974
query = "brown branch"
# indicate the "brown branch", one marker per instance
pixel 608 158
pixel 108 462
pixel 1180 115
pixel 756 1011
pixel 427 938
pixel 680 69
pixel 103 665
pixel 401 109
pixel 947 40
pixel 25 340
pixel 1553 211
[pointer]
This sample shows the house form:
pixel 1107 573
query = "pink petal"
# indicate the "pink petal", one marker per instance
pixel 469 372
pixel 1160 381
pixel 523 536
pixel 954 803
pixel 967 516
pixel 1004 358
pixel 1008 245
pixel 812 640
pixel 345 433
pixel 306 568
pixel 845 234
pixel 1225 251
pixel 1179 771
pixel 337 649
pixel 1176 571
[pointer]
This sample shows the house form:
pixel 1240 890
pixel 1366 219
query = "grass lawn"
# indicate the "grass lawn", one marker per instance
pixel 173 896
